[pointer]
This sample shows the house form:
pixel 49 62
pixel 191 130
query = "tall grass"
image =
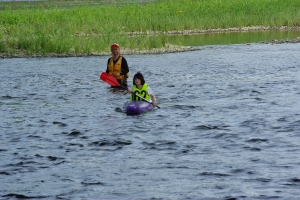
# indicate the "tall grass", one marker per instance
pixel 89 28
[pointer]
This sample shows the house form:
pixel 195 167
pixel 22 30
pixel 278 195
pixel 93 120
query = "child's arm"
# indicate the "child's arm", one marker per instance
pixel 153 99
pixel 127 91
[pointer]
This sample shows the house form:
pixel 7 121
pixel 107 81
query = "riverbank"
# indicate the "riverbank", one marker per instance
pixel 168 48
pixel 124 51
pixel 139 28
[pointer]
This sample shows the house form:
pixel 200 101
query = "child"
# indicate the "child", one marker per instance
pixel 142 89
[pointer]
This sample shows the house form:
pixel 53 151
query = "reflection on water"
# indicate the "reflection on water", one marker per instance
pixel 232 37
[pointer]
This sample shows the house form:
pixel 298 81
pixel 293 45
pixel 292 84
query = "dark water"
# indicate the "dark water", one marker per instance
pixel 228 127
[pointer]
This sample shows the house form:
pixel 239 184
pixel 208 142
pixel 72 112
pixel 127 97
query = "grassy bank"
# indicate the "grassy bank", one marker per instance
pixel 89 29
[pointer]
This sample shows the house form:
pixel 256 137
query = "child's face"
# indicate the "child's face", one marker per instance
pixel 137 81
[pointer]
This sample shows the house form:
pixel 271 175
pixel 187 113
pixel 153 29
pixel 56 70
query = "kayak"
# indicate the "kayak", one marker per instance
pixel 137 107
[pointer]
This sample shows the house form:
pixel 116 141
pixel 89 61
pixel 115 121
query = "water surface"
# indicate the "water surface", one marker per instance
pixel 233 37
pixel 227 127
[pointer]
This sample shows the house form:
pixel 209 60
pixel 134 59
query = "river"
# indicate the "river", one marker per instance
pixel 228 127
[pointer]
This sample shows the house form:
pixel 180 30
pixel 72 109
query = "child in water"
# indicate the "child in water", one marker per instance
pixel 142 89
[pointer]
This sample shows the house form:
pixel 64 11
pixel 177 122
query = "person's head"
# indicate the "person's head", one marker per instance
pixel 138 77
pixel 115 49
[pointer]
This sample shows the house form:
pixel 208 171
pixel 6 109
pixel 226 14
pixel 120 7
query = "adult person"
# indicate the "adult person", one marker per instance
pixel 117 65
pixel 142 89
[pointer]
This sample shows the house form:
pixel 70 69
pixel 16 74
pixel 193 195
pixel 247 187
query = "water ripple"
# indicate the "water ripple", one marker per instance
pixel 227 127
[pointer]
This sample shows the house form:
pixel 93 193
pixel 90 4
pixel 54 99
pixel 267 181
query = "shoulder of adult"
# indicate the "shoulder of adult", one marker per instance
pixel 124 61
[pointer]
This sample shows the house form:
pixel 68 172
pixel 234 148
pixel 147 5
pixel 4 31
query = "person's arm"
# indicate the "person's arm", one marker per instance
pixel 124 67
pixel 153 99
pixel 128 91
pixel 107 66
pixel 152 96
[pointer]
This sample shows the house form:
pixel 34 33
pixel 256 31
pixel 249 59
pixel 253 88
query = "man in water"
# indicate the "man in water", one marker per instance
pixel 117 65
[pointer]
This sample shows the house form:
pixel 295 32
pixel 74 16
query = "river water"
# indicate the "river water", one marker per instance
pixel 234 37
pixel 228 127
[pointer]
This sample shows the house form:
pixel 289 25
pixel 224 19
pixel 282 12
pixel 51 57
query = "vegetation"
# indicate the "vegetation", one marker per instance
pixel 87 28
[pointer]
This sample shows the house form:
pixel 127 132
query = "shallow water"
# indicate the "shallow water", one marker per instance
pixel 233 37
pixel 227 127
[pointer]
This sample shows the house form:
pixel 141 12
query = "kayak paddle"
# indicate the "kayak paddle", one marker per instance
pixel 110 80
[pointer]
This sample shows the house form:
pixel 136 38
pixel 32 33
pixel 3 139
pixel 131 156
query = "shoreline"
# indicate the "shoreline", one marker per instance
pixel 220 30
pixel 169 48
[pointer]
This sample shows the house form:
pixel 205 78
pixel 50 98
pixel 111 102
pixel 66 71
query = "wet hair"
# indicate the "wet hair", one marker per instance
pixel 140 76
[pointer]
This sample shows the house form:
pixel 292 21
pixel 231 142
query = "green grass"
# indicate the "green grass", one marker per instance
pixel 90 28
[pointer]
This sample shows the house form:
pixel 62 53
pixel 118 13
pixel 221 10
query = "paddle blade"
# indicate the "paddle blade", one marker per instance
pixel 109 79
